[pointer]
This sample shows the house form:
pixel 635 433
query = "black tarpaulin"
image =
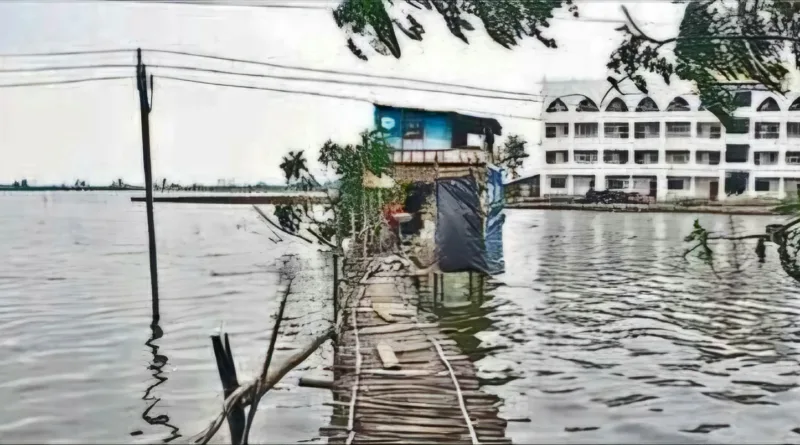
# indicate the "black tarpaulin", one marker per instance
pixel 459 226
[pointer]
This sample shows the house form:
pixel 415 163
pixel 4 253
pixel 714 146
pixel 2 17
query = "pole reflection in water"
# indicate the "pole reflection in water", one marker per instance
pixel 156 365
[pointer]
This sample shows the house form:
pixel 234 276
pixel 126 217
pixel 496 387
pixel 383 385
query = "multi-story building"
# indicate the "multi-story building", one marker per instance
pixel 666 145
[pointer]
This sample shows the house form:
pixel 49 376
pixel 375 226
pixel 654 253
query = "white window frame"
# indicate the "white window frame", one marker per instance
pixel 561 129
pixel 615 128
pixel 581 126
pixel 558 177
pixel 585 158
pixel 768 155
pixel 793 159
pixel 679 134
pixel 616 158
pixel 648 158
pixel 793 134
pixel 706 130
pixel 626 183
pixel 774 134
pixel 647 134
pixel 671 158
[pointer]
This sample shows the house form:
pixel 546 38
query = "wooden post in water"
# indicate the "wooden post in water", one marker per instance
pixel 145 106
pixel 335 289
pixel 227 374
pixel 435 288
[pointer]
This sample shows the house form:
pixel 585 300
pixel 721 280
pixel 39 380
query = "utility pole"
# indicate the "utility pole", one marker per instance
pixel 145 107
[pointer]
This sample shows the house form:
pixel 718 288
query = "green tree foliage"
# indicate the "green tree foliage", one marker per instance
pixel 513 153
pixel 352 205
pixel 506 21
pixel 717 40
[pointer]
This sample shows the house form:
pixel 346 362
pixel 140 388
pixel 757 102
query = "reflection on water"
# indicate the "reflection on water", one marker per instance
pixel 80 356
pixel 156 365
pixel 602 332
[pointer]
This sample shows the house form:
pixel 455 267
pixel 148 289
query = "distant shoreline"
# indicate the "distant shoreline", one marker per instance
pixel 204 189
pixel 651 208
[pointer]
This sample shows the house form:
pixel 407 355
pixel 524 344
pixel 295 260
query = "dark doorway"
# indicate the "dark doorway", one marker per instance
pixel 653 188
pixel 713 190
pixel 736 183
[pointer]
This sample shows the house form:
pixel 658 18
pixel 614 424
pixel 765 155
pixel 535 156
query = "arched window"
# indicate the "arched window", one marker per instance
pixel 769 104
pixel 647 104
pixel 617 105
pixel 678 104
pixel 556 106
pixel 587 105
pixel 795 106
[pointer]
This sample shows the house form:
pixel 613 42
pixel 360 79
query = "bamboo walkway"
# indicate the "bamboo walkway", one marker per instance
pixel 399 379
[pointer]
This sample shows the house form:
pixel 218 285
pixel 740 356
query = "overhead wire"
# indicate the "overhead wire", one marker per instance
pixel 332 81
pixel 276 65
pixel 310 93
pixel 63 82
pixel 331 71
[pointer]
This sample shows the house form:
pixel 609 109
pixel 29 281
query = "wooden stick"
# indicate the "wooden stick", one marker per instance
pixel 244 394
pixel 458 391
pixel 351 417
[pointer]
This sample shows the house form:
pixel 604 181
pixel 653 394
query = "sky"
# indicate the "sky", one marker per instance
pixel 202 133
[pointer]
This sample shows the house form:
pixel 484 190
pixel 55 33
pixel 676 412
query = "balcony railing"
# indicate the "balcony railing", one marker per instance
pixel 449 156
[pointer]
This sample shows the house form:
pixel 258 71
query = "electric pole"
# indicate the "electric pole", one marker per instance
pixel 145 106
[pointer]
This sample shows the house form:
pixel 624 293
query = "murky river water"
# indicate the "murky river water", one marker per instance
pixel 600 332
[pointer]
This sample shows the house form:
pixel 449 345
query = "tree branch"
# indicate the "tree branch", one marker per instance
pixel 266 218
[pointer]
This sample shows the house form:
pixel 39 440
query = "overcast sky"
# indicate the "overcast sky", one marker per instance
pixel 203 133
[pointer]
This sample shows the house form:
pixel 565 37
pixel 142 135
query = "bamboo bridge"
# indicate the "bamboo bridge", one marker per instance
pixel 397 377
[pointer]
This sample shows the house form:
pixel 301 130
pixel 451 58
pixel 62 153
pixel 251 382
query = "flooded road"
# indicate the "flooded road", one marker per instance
pixel 601 332
pixel 598 332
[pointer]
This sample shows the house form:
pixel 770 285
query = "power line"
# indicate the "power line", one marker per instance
pixel 333 81
pixel 253 87
pixel 329 71
pixel 279 66
pixel 312 93
pixel 62 82
pixel 259 75
pixel 63 68
pixel 185 2
pixel 70 53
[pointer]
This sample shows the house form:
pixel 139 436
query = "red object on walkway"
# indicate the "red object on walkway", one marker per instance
pixel 389 211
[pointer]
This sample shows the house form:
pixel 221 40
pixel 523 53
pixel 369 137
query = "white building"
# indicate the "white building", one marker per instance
pixel 666 145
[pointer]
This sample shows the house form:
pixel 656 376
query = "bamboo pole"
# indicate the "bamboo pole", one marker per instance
pixel 257 388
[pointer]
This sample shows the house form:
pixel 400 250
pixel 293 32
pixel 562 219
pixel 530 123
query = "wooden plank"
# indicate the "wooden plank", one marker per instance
pixel 386 316
pixel 399 372
pixel 387 356
pixel 393 328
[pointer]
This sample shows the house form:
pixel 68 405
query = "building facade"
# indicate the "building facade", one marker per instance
pixel 666 145
pixel 429 144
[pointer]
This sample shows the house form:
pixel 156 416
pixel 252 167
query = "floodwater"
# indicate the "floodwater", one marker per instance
pixel 598 332
pixel 75 315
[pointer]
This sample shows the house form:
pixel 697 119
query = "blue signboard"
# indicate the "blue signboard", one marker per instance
pixel 415 130
pixel 493 233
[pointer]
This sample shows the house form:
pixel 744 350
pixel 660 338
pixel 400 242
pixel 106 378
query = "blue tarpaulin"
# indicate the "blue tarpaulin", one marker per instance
pixel 459 226
pixel 494 222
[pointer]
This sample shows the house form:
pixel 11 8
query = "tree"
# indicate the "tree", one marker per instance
pixel 354 207
pixel 513 153
pixel 24 183
pixel 723 40
pixel 505 21
pixel 717 40
pixel 16 184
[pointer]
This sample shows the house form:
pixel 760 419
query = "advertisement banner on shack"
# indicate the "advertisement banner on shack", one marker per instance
pixel 493 233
